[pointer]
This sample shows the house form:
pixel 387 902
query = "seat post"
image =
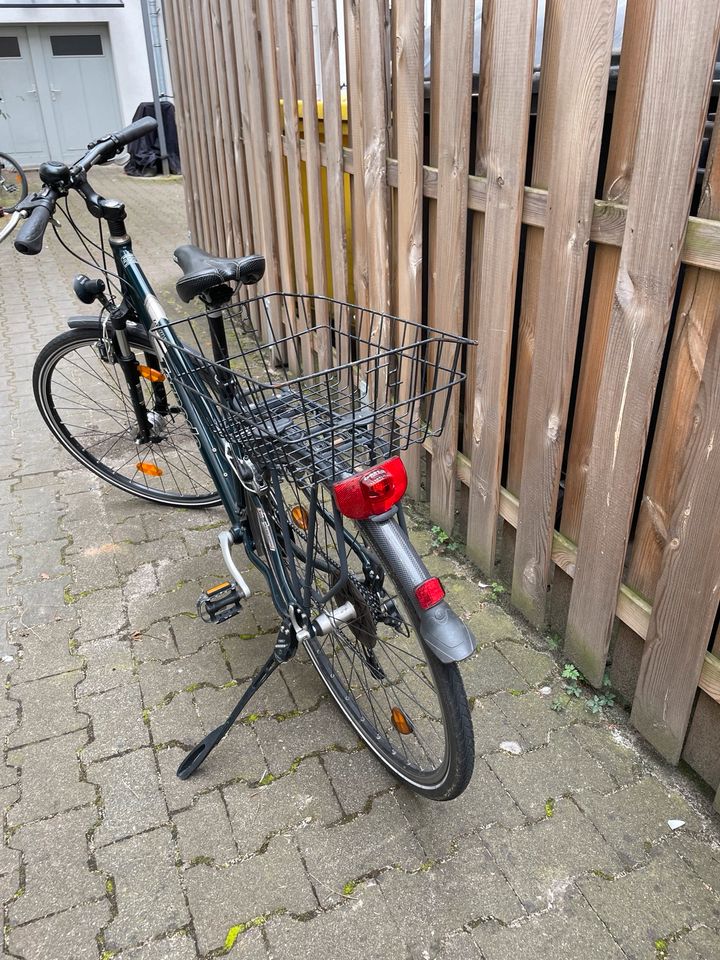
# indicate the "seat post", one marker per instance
pixel 214 299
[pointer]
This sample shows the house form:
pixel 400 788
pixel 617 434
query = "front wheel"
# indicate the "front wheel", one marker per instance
pixel 83 396
pixel 13 183
pixel 409 707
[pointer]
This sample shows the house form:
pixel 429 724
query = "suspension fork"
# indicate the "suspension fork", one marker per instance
pixel 128 364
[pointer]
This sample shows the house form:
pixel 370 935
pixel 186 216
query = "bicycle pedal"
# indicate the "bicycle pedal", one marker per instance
pixel 220 602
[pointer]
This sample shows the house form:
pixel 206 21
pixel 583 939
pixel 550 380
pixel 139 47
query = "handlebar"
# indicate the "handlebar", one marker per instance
pixel 38 208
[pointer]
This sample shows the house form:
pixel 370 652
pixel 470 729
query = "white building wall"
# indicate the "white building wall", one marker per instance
pixel 127 39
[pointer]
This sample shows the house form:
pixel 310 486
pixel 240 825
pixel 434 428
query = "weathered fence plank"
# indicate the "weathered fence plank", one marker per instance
pixel 618 176
pixel 585 48
pixel 455 83
pixel 689 587
pixel 409 136
pixel 508 47
pixel 361 293
pixel 672 120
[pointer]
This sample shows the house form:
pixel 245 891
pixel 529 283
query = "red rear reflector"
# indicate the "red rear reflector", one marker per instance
pixel 429 593
pixel 373 491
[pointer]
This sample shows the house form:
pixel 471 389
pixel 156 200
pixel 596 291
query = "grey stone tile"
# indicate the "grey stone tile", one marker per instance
pixel 56 865
pixel 487 671
pixel 542 860
pixel 665 897
pixel 531 715
pixel 70 935
pixel 132 801
pixel 45 652
pixel 155 643
pixel 636 817
pixel 158 680
pixel 238 757
pixel 108 665
pixel 615 752
pixel 222 898
pixel 488 622
pixel 48 708
pixel 442 825
pixel 561 768
pixel 147 888
pixel 117 722
pixel 318 730
pixel 102 614
pixel 175 947
pixel 361 928
pixel 273 698
pixel 295 799
pixel 51 762
pixel 204 831
pixel 701 855
pixel 534 667
pixel 369 843
pixel 356 777
pixel 700 944
pixel 569 931
pixel 492 727
pixel 176 721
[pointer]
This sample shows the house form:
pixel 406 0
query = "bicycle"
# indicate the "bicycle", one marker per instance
pixel 13 184
pixel 295 409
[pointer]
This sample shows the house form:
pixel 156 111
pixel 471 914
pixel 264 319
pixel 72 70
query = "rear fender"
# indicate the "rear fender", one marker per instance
pixel 443 631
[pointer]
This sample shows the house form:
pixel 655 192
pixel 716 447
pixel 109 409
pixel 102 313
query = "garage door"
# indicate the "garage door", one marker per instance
pixel 58 91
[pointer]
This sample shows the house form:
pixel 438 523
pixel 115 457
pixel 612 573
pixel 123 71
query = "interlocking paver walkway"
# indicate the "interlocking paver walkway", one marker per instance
pixel 291 842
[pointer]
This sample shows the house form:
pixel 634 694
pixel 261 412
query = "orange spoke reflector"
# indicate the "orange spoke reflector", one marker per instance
pixel 154 376
pixel 300 517
pixel 400 721
pixel 149 469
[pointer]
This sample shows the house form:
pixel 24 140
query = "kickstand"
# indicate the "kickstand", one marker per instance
pixel 198 754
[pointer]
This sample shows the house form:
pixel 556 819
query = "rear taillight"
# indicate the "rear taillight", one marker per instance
pixel 373 491
pixel 429 593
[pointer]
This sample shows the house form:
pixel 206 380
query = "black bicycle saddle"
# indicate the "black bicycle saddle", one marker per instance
pixel 202 271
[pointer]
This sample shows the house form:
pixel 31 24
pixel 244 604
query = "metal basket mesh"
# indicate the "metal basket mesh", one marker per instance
pixel 317 388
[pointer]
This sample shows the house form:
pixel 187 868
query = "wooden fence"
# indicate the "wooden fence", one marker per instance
pixel 549 218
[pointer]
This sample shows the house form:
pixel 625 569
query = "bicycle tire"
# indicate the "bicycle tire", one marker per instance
pixel 449 776
pixel 71 381
pixel 20 183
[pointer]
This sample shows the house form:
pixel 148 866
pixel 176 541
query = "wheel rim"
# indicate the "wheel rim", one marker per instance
pixel 11 186
pixel 406 678
pixel 91 414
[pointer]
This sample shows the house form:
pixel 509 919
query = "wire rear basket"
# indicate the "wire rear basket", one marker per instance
pixel 317 388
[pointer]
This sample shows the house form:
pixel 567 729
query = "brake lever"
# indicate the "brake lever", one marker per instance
pixel 15 217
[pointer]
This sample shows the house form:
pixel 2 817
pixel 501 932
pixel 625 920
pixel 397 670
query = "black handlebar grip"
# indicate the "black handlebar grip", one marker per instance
pixel 30 237
pixel 135 131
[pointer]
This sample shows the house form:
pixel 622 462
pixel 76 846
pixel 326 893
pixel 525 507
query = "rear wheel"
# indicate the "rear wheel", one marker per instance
pixel 13 183
pixel 83 397
pixel 409 707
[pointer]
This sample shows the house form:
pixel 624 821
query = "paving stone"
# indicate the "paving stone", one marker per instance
pixel 128 556
pixel 615 752
pixel 541 860
pixel 304 683
pixel 636 817
pixel 176 721
pixel 533 666
pixel 222 898
pixel 561 768
pixel 45 652
pixel 132 801
pixel 147 888
pixel 361 928
pixel 108 665
pixel 93 567
pixel 245 656
pixel 288 802
pixel 141 582
pixel 155 643
pixel 117 722
pixel 371 842
pixel 489 623
pixel 44 602
pixel 460 947
pixel 299 736
pixel 205 667
pixel 356 777
pixel 192 634
pixel 250 946
pixel 44 561
pixel 700 944
pixel 666 897
pixel 56 868
pixel 176 947
pixel 531 715
pixel 203 571
pixel 50 778
pixel 487 671
pixel 440 826
pixel 70 935
pixel 569 931
pixel 161 606
pixel 238 757
pixel 492 727
pixel 102 614
pixel 35 527
pixel 48 708
pixel 432 903
pixel 204 831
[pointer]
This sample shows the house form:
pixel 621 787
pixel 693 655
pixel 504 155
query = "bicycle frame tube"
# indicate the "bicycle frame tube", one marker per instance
pixel 151 314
